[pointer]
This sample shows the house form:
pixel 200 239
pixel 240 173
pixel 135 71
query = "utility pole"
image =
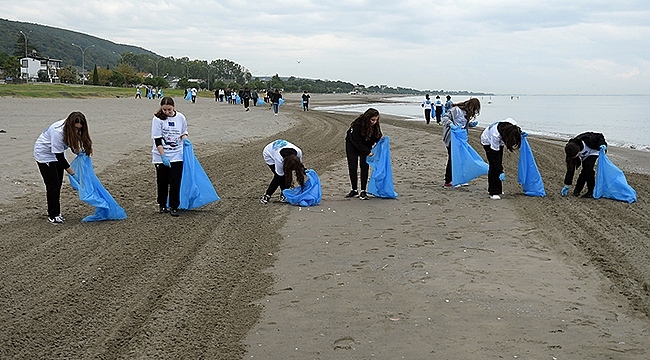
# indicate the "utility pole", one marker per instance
pixel 83 65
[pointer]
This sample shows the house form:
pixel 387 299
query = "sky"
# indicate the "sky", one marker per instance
pixel 496 46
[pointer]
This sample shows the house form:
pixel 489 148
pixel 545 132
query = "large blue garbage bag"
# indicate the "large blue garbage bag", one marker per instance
pixel 611 182
pixel 466 163
pixel 237 99
pixel 92 192
pixel 528 173
pixel 308 195
pixel 281 101
pixel 260 102
pixel 381 180
pixel 196 187
pixel 188 96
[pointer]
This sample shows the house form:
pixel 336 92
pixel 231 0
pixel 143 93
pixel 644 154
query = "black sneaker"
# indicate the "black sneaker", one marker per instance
pixel 363 196
pixel 174 212
pixel 588 195
pixel 265 199
pixel 163 209
pixel 352 193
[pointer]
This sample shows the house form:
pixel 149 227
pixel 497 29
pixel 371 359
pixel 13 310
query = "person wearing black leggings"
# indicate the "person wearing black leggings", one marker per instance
pixel 364 132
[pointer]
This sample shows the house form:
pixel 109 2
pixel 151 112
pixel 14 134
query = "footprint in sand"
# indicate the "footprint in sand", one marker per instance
pixel 345 343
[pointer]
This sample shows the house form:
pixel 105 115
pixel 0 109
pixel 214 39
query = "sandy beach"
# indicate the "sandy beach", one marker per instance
pixel 434 274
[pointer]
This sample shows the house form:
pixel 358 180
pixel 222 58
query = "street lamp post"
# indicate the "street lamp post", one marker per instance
pixel 25 42
pixel 83 64
pixel 208 69
pixel 157 61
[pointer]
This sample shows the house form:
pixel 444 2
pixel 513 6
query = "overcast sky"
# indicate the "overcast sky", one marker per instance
pixel 499 46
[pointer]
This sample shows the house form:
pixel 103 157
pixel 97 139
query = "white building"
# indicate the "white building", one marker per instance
pixel 30 66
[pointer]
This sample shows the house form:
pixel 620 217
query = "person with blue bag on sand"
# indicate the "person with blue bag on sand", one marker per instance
pixel 49 152
pixel 363 134
pixel 494 138
pixel 583 151
pixel 284 159
pixel 168 131
pixel 462 115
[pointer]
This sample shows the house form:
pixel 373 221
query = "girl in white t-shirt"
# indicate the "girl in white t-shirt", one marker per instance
pixel 49 152
pixel 169 132
pixel 285 160
pixel 494 138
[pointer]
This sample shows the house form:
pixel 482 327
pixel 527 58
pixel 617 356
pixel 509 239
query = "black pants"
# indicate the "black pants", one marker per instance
pixel 255 101
pixel 356 159
pixel 246 102
pixel 587 175
pixel 438 113
pixel 52 174
pixel 278 181
pixel 169 184
pixel 495 162
pixel 427 115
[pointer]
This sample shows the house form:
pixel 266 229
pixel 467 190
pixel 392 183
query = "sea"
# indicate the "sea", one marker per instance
pixel 623 119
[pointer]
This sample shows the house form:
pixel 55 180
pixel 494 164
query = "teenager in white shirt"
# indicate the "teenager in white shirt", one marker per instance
pixel 284 159
pixel 169 132
pixel 49 152
pixel 494 138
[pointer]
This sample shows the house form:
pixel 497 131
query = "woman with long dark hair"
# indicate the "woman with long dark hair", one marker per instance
pixel 494 138
pixel 49 152
pixel 364 132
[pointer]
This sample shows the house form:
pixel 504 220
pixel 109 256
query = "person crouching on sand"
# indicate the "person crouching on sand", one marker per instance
pixel 582 150
pixel 284 159
pixel 363 134
pixel 494 138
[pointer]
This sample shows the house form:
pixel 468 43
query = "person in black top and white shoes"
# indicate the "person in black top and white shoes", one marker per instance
pixel 49 152
pixel 582 150
pixel 364 132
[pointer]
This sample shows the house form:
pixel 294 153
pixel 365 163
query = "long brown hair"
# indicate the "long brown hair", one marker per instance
pixel 363 121
pixel 77 139
pixel 167 100
pixel 510 135
pixel 471 107
pixel 293 164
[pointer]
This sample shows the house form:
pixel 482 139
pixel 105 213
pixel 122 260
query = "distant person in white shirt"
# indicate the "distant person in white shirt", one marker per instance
pixel 426 105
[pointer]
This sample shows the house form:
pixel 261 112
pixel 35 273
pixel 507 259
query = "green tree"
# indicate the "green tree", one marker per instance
pixel 130 76
pixel 95 80
pixel 19 48
pixel 43 76
pixel 67 75
pixel 9 65
pixel 276 82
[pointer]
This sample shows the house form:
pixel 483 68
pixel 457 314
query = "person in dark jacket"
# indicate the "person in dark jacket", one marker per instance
pixel 246 98
pixel 275 101
pixel 582 150
pixel 364 132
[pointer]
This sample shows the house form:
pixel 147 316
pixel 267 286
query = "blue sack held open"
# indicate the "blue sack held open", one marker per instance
pixel 196 187
pixel 381 180
pixel 466 163
pixel 528 173
pixel 611 182
pixel 308 195
pixel 92 192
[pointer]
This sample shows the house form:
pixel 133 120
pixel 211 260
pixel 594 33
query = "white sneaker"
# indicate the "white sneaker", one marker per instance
pixel 495 197
pixel 56 220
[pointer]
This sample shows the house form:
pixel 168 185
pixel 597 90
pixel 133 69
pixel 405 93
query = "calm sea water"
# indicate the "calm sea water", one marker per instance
pixel 625 120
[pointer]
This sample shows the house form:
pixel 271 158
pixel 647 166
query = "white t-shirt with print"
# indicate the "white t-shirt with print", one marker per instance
pixel 272 155
pixel 170 130
pixel 50 142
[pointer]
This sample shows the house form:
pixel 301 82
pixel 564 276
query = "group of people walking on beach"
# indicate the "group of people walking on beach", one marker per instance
pixel 169 132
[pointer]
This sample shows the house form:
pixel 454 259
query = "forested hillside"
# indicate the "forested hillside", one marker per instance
pixel 57 43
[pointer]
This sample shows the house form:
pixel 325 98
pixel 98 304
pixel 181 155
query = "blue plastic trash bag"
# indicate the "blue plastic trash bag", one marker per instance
pixel 466 163
pixel 528 173
pixel 308 195
pixel 611 182
pixel 196 187
pixel 188 96
pixel 281 101
pixel 260 102
pixel 237 99
pixel 92 192
pixel 381 180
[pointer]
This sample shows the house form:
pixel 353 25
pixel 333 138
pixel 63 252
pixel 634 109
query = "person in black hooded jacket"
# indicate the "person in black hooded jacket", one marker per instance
pixel 583 151
pixel 364 132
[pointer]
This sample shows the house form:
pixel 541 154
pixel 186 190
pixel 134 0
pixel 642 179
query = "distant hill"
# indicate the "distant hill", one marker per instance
pixel 57 44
